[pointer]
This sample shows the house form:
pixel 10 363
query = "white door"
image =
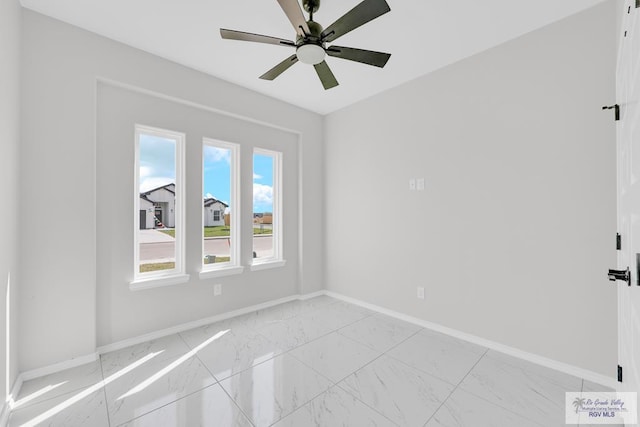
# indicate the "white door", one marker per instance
pixel 628 147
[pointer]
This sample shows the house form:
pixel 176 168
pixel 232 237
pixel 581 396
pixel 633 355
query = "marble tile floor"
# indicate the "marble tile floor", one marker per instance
pixel 318 362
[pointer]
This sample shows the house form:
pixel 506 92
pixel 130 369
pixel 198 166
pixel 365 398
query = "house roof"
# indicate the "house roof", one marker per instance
pixel 210 201
pixel 164 187
pixel 144 197
pixel 207 202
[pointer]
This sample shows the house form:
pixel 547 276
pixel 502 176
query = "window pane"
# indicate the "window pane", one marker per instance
pixel 157 203
pixel 263 206
pixel 217 204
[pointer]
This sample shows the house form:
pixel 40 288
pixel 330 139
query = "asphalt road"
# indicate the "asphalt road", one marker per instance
pixel 263 245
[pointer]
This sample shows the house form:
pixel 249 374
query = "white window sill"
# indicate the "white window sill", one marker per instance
pixel 268 264
pixel 157 282
pixel 221 272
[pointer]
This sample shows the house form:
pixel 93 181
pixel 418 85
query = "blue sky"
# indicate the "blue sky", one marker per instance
pixel 262 183
pixel 157 162
pixel 157 168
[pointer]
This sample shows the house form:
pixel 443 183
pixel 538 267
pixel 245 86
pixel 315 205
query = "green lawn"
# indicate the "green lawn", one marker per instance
pixel 217 231
pixel 145 268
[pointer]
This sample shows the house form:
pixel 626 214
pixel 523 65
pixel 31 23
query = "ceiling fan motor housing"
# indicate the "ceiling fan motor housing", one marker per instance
pixel 310 48
pixel 314 36
pixel 311 40
pixel 311 6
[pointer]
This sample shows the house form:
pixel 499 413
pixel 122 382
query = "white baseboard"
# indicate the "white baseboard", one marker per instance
pixel 78 361
pixel 4 414
pixel 511 351
pixel 534 358
pixel 8 404
pixel 195 324
pixel 311 295
pixel 57 367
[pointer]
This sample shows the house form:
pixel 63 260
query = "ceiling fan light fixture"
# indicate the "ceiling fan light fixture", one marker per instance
pixel 310 54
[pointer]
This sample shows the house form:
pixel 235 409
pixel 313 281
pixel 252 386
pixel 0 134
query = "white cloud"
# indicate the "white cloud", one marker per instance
pixel 152 182
pixel 209 196
pixel 215 154
pixel 262 194
pixel 256 176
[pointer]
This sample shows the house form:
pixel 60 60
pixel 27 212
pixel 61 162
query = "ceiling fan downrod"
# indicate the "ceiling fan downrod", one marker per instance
pixel 311 38
pixel 311 6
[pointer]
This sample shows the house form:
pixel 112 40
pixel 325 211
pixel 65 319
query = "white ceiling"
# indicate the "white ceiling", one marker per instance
pixel 421 35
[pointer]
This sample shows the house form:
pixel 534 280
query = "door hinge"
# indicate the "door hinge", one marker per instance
pixel 615 107
pixel 619 373
pixel 618 242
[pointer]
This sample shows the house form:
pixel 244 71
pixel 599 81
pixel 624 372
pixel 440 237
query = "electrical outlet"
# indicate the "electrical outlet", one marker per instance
pixel 420 184
pixel 420 293
pixel 412 184
pixel 217 290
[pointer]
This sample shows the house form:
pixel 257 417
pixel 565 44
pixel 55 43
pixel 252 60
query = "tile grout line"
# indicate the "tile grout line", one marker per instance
pixel 166 404
pixel 456 387
pixel 384 353
pixel 264 361
pixel 287 352
pixel 216 379
pixel 224 390
pixel 104 391
pixel 364 403
pixel 487 401
pixel 173 401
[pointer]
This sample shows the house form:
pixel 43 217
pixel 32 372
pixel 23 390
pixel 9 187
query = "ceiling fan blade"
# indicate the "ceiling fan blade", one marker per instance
pixel 377 59
pixel 326 76
pixel 366 11
pixel 250 37
pixel 293 11
pixel 280 68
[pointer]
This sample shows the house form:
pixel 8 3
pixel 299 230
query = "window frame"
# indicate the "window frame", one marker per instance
pixel 233 266
pixel 176 275
pixel 277 260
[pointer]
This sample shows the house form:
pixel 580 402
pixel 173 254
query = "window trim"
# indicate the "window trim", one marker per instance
pixel 234 265
pixel 277 260
pixel 176 275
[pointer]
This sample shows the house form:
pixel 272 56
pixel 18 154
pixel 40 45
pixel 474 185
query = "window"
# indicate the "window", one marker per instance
pixel 221 243
pixel 159 209
pixel 267 207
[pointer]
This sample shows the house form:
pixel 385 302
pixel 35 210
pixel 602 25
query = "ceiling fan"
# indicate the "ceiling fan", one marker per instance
pixel 311 38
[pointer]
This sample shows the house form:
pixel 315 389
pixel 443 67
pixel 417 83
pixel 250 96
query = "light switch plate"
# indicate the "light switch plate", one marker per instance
pixel 420 292
pixel 412 184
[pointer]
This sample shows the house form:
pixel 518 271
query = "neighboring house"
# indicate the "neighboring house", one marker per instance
pixel 214 212
pixel 263 218
pixel 157 207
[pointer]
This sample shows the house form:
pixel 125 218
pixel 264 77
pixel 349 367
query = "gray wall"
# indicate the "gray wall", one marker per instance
pixel 9 142
pixel 514 232
pixel 123 314
pixel 68 303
